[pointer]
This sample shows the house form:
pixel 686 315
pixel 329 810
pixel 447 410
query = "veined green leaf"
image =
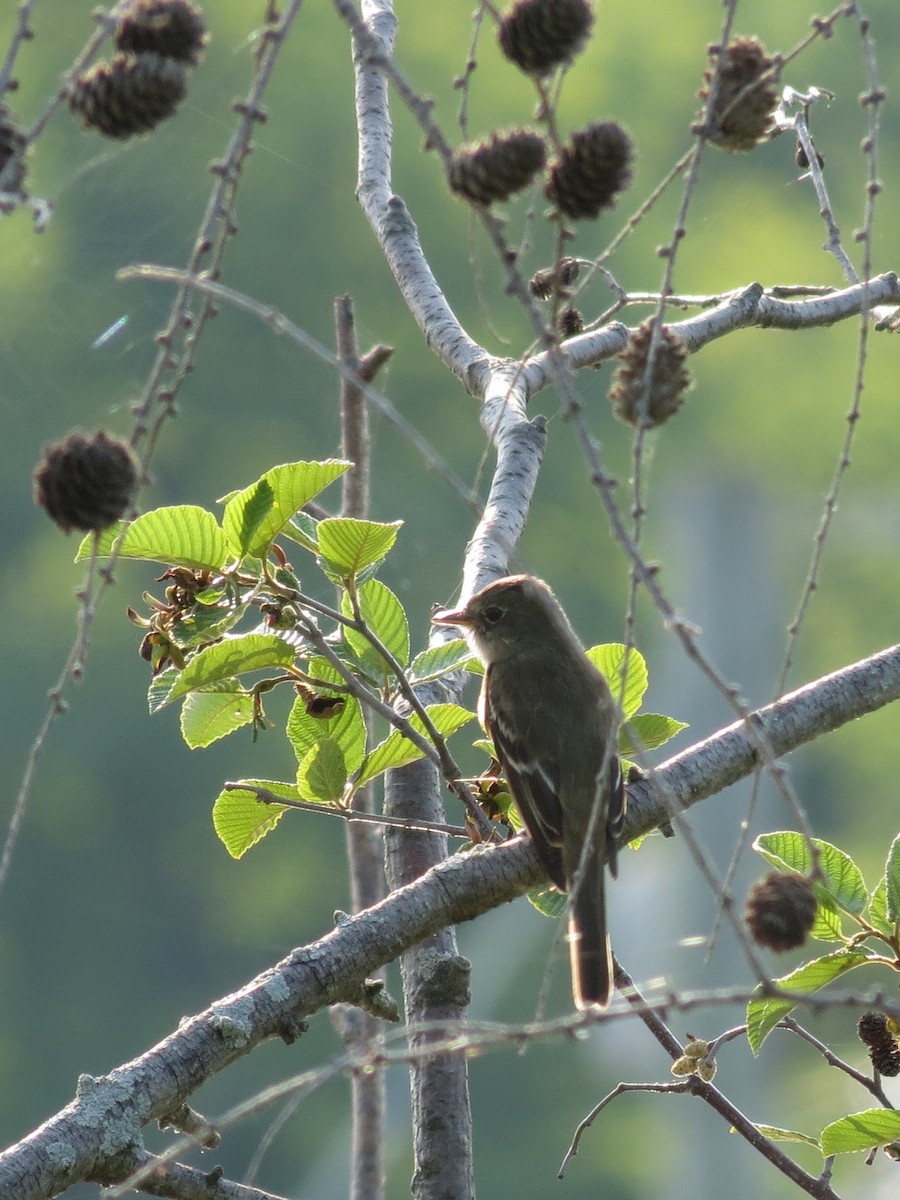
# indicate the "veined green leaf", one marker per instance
pixel 892 880
pixel 347 727
pixel 439 660
pixel 787 850
pixel 181 536
pixel 861 1131
pixel 383 614
pixel 212 714
pixel 254 517
pixel 548 900
pixel 347 546
pixel 397 750
pixel 322 774
pixel 878 911
pixel 303 529
pixel 626 673
pixel 764 1012
pixel 241 820
pixel 647 731
pixel 776 1134
pixel 234 656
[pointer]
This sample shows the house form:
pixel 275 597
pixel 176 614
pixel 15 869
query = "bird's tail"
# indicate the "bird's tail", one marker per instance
pixel 589 948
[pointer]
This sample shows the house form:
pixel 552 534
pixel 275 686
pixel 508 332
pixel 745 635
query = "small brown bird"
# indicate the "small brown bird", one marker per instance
pixel 554 722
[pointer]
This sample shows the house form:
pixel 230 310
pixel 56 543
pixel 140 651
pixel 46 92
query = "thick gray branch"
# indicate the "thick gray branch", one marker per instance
pixel 752 307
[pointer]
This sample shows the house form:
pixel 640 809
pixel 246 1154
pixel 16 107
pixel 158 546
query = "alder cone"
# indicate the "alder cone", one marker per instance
pixel 540 35
pixel 669 382
pixel 11 143
pixel 86 483
pixel 129 95
pixel 592 168
pixel 498 167
pixel 742 115
pixel 780 911
pixel 171 28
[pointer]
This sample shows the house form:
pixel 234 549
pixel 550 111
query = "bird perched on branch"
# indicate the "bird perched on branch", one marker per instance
pixel 554 724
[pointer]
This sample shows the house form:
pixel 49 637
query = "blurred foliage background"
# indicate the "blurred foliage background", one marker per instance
pixel 122 911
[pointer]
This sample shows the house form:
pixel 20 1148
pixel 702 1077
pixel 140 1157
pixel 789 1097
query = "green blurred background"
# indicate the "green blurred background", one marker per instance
pixel 122 911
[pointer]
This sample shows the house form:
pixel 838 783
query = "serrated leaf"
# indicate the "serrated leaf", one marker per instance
pixel 205 623
pixel 548 900
pixel 398 751
pixel 160 686
pixel 322 774
pixel 827 925
pixel 347 546
pixel 234 656
pixel 303 529
pixel 861 1131
pixel 776 1134
pixel 878 910
pixel 439 660
pixel 615 660
pixel 346 727
pixel 209 715
pixel 383 614
pixel 892 880
pixel 254 517
pixel 647 731
pixel 764 1012
pixel 787 850
pixel 486 745
pixel 241 820
pixel 183 535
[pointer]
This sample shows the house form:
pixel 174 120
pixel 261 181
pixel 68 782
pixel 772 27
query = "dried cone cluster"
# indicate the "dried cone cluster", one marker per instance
pixel 86 483
pixel 498 167
pixel 875 1030
pixel 668 383
pixel 158 42
pixel 592 168
pixel 745 101
pixel 780 911
pixel 11 143
pixel 540 35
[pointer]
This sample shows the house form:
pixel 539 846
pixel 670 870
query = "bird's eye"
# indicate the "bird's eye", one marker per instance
pixel 493 614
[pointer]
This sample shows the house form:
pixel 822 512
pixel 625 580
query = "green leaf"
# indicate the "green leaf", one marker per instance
pixel 861 1131
pixel 646 732
pixel 241 820
pixel 347 727
pixel 397 750
pixel 827 925
pixel 764 1012
pixel 234 656
pixel 842 880
pixel 205 623
pixel 611 660
pixel 322 775
pixel 209 715
pixel 160 686
pixel 254 517
pixel 303 529
pixel 383 614
pixel 348 546
pixel 181 536
pixel 775 1134
pixel 548 900
pixel 439 660
pixel 892 880
pixel 878 910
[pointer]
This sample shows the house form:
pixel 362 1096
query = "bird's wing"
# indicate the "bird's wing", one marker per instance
pixel 533 779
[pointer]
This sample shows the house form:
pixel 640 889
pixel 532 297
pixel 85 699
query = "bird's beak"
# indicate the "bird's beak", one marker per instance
pixel 452 616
